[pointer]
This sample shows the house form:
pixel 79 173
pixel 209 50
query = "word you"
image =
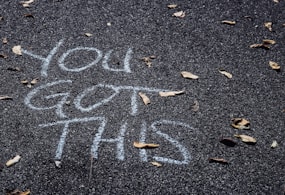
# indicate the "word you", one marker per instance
pixel 62 60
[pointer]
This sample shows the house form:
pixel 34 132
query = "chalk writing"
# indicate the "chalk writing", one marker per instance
pixel 77 101
pixel 119 140
pixel 56 101
pixel 61 61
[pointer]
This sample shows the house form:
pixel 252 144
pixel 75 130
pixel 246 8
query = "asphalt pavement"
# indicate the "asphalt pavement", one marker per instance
pixel 74 75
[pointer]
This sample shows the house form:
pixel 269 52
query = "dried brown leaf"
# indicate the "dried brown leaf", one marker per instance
pixel 274 144
pixel 4 40
pixel 240 123
pixel 18 192
pixel 170 93
pixel 227 74
pixel 180 14
pixel 145 99
pixel 17 50
pixel 5 97
pixel 26 3
pixel 246 138
pixel 13 161
pixel 88 34
pixel 229 22
pixel 145 145
pixel 188 75
pixel 195 106
pixel 228 142
pixel 274 65
pixel 269 41
pixel 148 60
pixel 34 81
pixel 264 46
pixel 172 6
pixel 25 82
pixel 276 1
pixel 157 164
pixel 268 25
pixel 29 16
pixel 218 160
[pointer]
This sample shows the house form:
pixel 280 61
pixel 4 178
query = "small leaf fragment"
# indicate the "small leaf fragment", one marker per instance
pixel 3 56
pixel 218 160
pixel 157 164
pixel 13 161
pixel 14 69
pixel 274 144
pixel 4 40
pixel 229 22
pixel 29 16
pixel 274 65
pixel 240 123
pixel 246 138
pixel 195 106
pixel 5 97
pixel 227 74
pixel 268 25
pixel 170 93
pixel 228 142
pixel 172 6
pixel 145 145
pixel 17 49
pixel 276 1
pixel 145 99
pixel 180 14
pixel 188 75
pixel 148 60
pixel 88 34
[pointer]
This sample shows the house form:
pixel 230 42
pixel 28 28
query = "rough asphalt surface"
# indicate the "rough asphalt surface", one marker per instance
pixel 198 43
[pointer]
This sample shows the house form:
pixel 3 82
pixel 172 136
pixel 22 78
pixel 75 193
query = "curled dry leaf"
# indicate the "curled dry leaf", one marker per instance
pixel 274 144
pixel 145 145
pixel 188 75
pixel 180 14
pixel 229 22
pixel 276 1
pixel 172 6
pixel 18 192
pixel 170 93
pixel 195 106
pixel 29 16
pixel 227 74
pixel 13 161
pixel 274 65
pixel 156 164
pixel 228 142
pixel 240 123
pixel 145 99
pixel 246 138
pixel 17 50
pixel 218 160
pixel 88 34
pixel 5 97
pixel 14 69
pixel 268 25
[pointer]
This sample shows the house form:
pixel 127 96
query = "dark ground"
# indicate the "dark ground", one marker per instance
pixel 198 43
